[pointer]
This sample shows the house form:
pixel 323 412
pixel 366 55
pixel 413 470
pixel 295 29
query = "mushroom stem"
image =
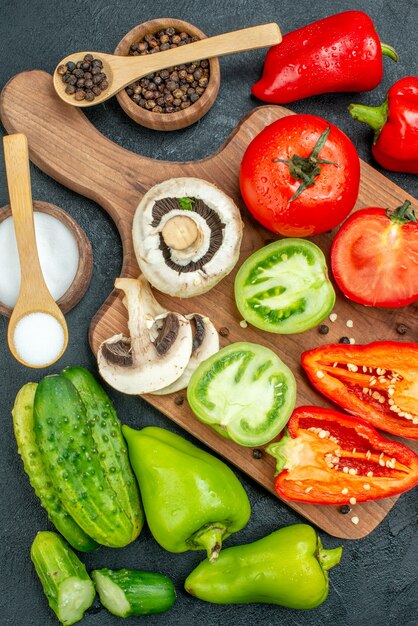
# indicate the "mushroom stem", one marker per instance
pixel 138 330
pixel 180 232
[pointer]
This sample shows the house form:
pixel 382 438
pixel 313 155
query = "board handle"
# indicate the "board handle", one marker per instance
pixel 65 145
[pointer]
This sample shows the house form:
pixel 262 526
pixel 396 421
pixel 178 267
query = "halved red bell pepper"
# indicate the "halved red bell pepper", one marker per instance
pixel 377 382
pixel 327 457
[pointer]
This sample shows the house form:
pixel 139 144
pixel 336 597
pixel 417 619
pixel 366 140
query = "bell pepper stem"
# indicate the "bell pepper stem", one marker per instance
pixel 375 117
pixel 389 51
pixel 209 538
pixel 328 558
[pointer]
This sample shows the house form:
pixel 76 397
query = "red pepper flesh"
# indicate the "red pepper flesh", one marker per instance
pixel 338 53
pixel 377 382
pixel 395 123
pixel 327 457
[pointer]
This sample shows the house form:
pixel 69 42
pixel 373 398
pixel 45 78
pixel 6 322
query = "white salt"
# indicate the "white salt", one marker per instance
pixel 38 339
pixel 58 256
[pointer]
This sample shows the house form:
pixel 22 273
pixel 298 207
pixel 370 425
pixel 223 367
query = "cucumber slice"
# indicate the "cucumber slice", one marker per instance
pixel 132 592
pixel 245 392
pixel 284 287
pixel 23 424
pixel 64 578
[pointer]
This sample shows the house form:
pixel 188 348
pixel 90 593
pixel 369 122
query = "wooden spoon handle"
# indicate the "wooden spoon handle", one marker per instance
pixel 16 156
pixel 261 36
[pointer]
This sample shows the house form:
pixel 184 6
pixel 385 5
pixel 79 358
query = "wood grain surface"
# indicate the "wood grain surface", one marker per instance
pixel 67 147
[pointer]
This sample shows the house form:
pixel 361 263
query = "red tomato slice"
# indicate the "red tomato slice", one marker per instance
pixel 375 260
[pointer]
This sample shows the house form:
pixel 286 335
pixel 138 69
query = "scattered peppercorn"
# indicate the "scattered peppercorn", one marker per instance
pixel 257 454
pixel 344 340
pixel 224 331
pixel 401 329
pixel 173 89
pixel 323 329
pixel 345 509
pixel 179 400
pixel 85 79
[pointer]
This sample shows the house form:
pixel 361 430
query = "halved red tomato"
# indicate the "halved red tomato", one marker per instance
pixel 374 257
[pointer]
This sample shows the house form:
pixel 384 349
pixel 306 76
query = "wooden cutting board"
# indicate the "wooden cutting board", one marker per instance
pixel 67 147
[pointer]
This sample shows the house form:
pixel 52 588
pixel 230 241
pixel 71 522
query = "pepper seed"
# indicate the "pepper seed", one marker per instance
pixel 345 509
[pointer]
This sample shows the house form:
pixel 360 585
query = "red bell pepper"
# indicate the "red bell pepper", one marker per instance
pixel 377 382
pixel 338 53
pixel 327 457
pixel 395 125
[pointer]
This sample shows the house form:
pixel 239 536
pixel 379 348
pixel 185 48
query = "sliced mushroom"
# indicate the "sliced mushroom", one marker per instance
pixel 187 235
pixel 205 343
pixel 158 349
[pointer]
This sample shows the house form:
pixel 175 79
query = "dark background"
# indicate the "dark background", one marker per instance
pixel 376 582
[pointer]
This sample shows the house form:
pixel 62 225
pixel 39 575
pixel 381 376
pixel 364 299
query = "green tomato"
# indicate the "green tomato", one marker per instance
pixel 284 287
pixel 245 392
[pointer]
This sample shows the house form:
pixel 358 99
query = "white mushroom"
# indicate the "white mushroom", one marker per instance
pixel 205 343
pixel 158 349
pixel 187 235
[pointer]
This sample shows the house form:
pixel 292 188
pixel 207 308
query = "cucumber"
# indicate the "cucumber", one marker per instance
pixel 64 578
pixel 132 592
pixel 23 424
pixel 106 431
pixel 73 462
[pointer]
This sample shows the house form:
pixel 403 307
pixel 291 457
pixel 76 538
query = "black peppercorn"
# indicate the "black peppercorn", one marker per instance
pixel 344 340
pixel 176 80
pixel 257 454
pixel 323 329
pixel 84 78
pixel 224 331
pixel 179 400
pixel 401 329
pixel 345 509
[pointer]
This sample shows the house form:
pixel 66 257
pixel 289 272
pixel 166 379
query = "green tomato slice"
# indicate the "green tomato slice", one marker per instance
pixel 284 287
pixel 245 392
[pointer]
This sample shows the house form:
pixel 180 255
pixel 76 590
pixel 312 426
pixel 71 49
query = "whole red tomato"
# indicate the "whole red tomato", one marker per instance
pixel 300 176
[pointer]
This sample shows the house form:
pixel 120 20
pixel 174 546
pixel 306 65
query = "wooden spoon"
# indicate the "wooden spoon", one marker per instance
pixel 121 71
pixel 34 296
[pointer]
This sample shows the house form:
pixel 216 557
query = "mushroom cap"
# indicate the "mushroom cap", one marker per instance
pixel 162 265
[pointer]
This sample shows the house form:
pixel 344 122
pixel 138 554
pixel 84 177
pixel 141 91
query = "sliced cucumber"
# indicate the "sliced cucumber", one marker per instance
pixel 64 578
pixel 132 592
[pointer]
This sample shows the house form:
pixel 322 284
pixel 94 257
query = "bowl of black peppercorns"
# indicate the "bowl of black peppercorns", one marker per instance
pixel 175 97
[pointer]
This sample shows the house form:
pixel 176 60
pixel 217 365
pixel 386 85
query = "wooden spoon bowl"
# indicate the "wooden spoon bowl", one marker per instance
pixel 81 281
pixel 179 119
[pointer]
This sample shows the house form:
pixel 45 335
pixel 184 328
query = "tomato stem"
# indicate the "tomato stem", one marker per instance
pixel 402 214
pixel 307 169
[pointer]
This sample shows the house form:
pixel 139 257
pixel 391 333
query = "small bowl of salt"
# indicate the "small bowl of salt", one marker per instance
pixel 64 252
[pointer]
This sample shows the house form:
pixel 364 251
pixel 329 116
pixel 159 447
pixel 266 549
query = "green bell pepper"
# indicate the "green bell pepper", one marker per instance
pixel 192 500
pixel 288 567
